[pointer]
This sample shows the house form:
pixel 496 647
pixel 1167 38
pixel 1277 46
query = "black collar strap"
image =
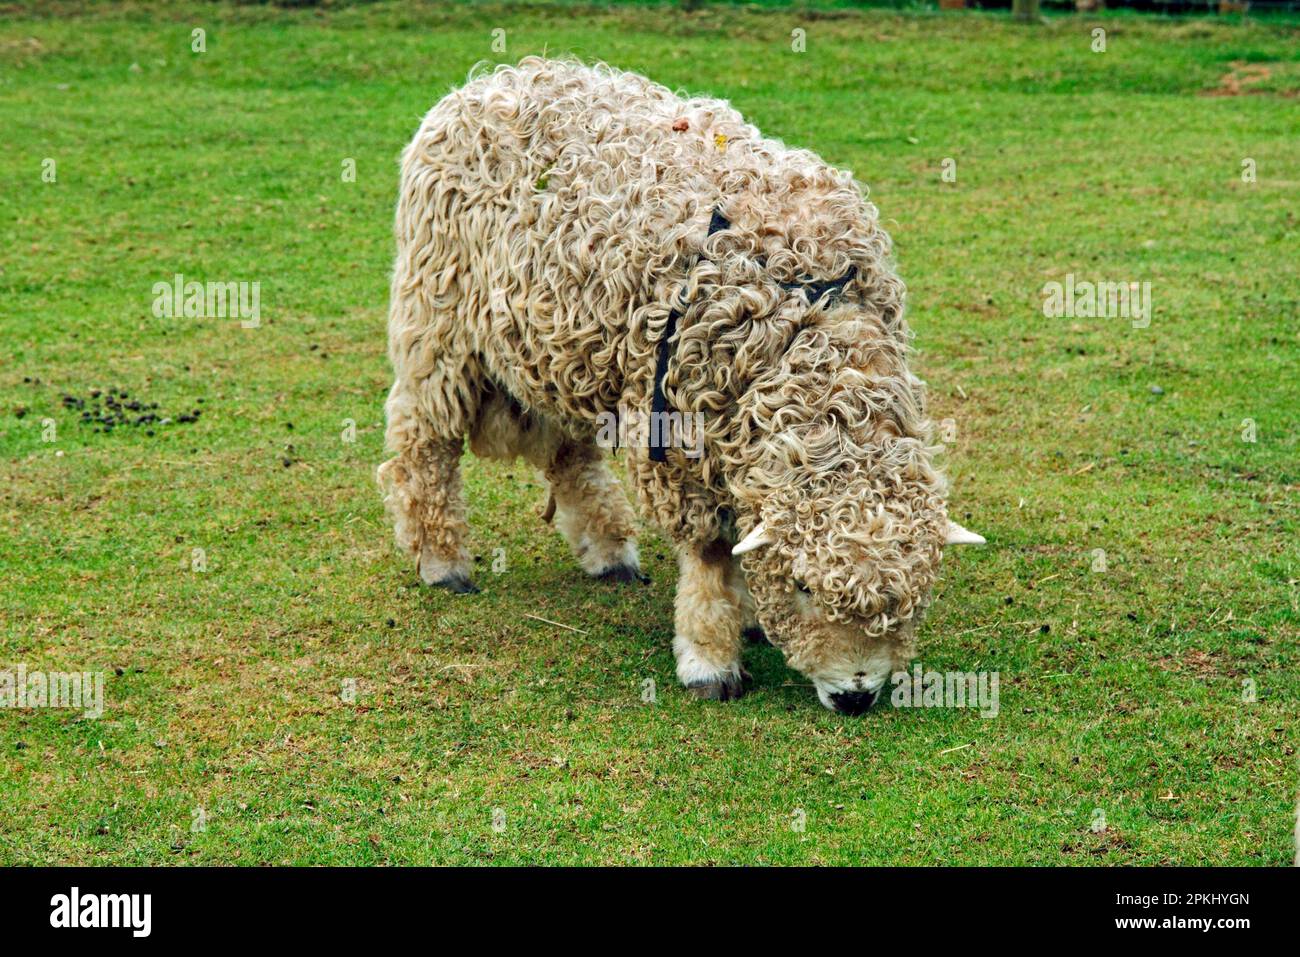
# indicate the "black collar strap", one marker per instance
pixel 813 289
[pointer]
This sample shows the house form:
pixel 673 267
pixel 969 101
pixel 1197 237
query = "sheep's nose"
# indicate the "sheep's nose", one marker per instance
pixel 853 703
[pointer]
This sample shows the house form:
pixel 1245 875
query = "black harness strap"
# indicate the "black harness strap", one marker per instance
pixel 814 290
pixel 659 401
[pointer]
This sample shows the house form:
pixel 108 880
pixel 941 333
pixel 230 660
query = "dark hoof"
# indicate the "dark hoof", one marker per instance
pixel 754 635
pixel 624 573
pixel 460 584
pixel 728 688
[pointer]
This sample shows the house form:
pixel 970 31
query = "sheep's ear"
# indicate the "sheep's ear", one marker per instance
pixel 962 536
pixel 755 539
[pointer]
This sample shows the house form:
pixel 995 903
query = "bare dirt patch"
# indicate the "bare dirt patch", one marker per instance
pixel 1245 79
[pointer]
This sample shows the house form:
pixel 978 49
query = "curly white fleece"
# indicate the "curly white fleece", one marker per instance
pixel 552 214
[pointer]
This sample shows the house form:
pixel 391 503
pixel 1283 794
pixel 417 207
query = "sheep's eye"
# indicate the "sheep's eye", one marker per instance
pixel 802 587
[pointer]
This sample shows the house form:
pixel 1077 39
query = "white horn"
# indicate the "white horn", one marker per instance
pixel 962 536
pixel 755 539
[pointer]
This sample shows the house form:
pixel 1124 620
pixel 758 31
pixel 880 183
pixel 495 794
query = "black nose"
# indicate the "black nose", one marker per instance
pixel 853 703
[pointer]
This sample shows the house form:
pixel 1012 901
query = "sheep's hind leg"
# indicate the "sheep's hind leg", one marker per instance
pixel 438 385
pixel 592 512
pixel 423 495
pixel 444 560
pixel 709 615
pixel 587 500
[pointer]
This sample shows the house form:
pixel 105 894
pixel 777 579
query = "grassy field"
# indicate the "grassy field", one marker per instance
pixel 1160 692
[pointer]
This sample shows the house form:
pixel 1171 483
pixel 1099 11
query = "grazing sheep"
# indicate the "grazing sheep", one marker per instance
pixel 576 242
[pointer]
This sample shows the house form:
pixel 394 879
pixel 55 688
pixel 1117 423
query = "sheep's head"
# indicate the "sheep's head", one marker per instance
pixel 848 520
pixel 841 576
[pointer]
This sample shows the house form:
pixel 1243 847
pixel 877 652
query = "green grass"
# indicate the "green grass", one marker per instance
pixel 1120 690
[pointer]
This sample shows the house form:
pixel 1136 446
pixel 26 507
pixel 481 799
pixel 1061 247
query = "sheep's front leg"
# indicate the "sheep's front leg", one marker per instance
pixel 750 629
pixel 708 619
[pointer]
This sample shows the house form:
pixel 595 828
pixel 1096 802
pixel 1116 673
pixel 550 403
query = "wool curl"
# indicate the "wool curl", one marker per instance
pixel 552 216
